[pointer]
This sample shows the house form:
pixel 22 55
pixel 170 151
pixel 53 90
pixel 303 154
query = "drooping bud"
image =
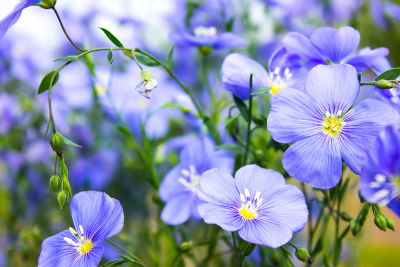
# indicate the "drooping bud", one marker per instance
pixel 380 222
pixel 57 143
pixel 390 224
pixel 186 246
pixel 145 75
pixel 47 4
pixel 65 186
pixel 61 198
pixel 302 254
pixel 384 84
pixel 345 216
pixel 147 84
pixel 355 227
pixel 54 183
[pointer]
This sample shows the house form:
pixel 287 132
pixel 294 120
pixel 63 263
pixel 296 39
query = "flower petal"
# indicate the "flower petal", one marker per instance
pixel 363 124
pixel 171 186
pixel 394 205
pixel 99 215
pixel 297 43
pixel 235 75
pixel 177 209
pixel 224 215
pixel 366 58
pixel 90 259
pixel 228 40
pixel 333 87
pixel 314 160
pixel 293 116
pixel 336 44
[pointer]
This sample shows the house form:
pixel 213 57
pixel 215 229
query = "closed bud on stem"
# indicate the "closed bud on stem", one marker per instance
pixel 355 227
pixel 384 84
pixel 205 50
pixel 57 143
pixel 380 221
pixel 390 224
pixel 186 246
pixel 47 4
pixel 302 254
pixel 61 198
pixel 65 186
pixel 54 183
pixel 345 216
pixel 145 75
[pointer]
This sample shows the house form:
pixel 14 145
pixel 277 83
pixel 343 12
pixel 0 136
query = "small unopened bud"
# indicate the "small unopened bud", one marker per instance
pixel 47 4
pixel 380 221
pixel 54 183
pixel 205 50
pixel 345 216
pixel 384 84
pixel 61 198
pixel 57 143
pixel 65 186
pixel 390 224
pixel 355 227
pixel 145 75
pixel 302 254
pixel 186 246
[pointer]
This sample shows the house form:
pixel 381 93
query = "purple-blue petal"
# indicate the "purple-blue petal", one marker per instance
pixel 171 186
pixel 367 58
pixel 177 209
pixel 298 44
pixel 394 205
pixel 229 40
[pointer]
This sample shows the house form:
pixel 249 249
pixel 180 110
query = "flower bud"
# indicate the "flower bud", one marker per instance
pixel 302 254
pixel 145 75
pixel 57 143
pixel 390 224
pixel 65 186
pixel 205 50
pixel 384 84
pixel 186 246
pixel 61 198
pixel 380 221
pixel 345 216
pixel 355 227
pixel 47 4
pixel 54 183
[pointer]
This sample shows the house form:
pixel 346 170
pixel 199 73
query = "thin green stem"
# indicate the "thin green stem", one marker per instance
pixel 337 245
pixel 65 31
pixel 127 252
pixel 55 165
pixel 203 75
pixel 246 154
pixel 236 250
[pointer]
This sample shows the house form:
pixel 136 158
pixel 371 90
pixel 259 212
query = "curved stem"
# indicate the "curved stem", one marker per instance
pixel 138 261
pixel 65 31
pixel 246 154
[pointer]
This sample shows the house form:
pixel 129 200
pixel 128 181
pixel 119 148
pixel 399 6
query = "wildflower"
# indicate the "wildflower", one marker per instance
pixel 257 203
pixel 13 17
pixel 323 129
pixel 284 72
pixel 179 187
pixel 328 45
pixel 380 173
pixel 96 216
pixel 147 84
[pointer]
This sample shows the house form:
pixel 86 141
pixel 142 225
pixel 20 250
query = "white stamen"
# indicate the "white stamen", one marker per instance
pixel 69 241
pixel 247 193
pixel 242 198
pixel 81 228
pixel 339 113
pixel 185 172
pixel 380 178
pixel 205 31
pixel 380 194
pixel 72 230
pixel 375 184
pixel 327 114
pixel 257 196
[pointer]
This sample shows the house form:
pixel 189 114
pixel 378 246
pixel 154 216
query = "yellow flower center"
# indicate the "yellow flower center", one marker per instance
pixel 278 80
pixel 248 213
pixel 190 178
pixel 249 208
pixel 332 123
pixel 85 247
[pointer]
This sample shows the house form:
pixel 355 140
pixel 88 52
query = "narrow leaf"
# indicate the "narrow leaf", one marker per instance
pixel 261 90
pixel 47 130
pixel 45 83
pixel 242 107
pixel 68 142
pixel 110 56
pixel 112 38
pixel 145 60
pixel 170 56
pixel 69 58
pixel 233 148
pixel 391 74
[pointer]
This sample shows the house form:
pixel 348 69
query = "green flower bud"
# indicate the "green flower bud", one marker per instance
pixel 380 221
pixel 390 224
pixel 145 75
pixel 47 4
pixel 65 186
pixel 345 216
pixel 61 198
pixel 205 50
pixel 302 254
pixel 57 143
pixel 355 227
pixel 384 84
pixel 186 246
pixel 54 183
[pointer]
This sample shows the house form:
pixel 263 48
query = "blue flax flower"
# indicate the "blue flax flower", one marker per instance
pixel 13 17
pixel 328 45
pixel 257 203
pixel 96 216
pixel 179 187
pixel 322 126
pixel 284 70
pixel 380 173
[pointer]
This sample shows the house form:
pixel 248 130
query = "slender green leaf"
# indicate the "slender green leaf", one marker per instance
pixel 242 108
pixel 261 90
pixel 69 58
pixel 114 262
pixel 124 131
pixel 112 38
pixel 145 60
pixel 233 148
pixel 110 56
pixel 68 142
pixel 170 56
pixel 45 83
pixel 47 130
pixel 260 121
pixel 174 105
pixel 391 74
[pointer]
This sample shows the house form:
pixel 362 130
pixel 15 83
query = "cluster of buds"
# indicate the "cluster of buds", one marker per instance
pixel 381 221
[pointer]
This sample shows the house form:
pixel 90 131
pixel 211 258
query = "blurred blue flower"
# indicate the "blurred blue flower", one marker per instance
pixel 380 173
pixel 284 71
pixel 10 112
pixel 178 189
pixel 13 17
pixel 328 45
pixel 257 203
pixel 96 216
pixel 381 11
pixel 323 129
